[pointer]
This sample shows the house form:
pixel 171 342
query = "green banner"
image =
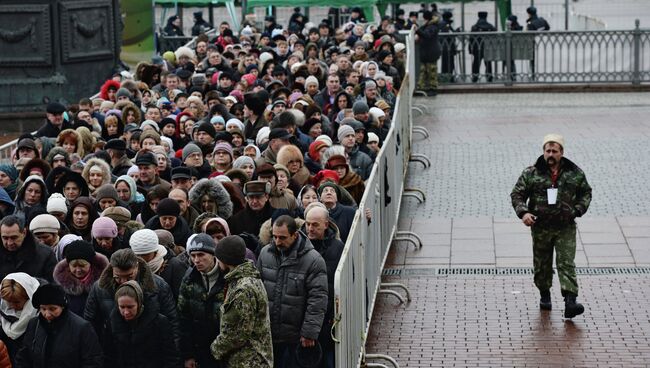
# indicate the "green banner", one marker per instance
pixel 138 33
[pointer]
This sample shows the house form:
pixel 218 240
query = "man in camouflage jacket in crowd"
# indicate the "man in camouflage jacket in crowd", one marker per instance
pixel 552 220
pixel 245 334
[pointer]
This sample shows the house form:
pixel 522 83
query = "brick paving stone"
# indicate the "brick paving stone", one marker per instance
pixel 492 321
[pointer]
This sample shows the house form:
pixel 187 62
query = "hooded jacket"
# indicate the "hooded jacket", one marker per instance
pixel 22 208
pixel 77 290
pixel 245 329
pixel 32 258
pixel 214 190
pixel 296 285
pixel 106 173
pixel 75 177
pixel 157 296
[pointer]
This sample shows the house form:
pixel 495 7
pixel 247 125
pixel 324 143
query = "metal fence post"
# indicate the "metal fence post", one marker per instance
pixel 636 73
pixel 508 62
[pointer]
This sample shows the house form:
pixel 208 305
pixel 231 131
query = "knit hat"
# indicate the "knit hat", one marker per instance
pixel 325 138
pixel 106 191
pixel 118 214
pixel 49 294
pixel 144 241
pixel 329 175
pixel 150 134
pixel 56 203
pixel 344 131
pixel 217 120
pixel 331 185
pixel 201 242
pixel 44 224
pixel 556 138
pixel 150 123
pixel 231 250
pixel 360 107
pixel 165 238
pixel 168 207
pixel 79 249
pixel 222 146
pixel 314 149
pixel 207 128
pixel 104 227
pixel 311 80
pixel 372 137
pixel 262 135
pixel 243 160
pixel 190 149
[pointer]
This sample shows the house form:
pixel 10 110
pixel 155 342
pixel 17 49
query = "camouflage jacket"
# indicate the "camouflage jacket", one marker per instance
pixel 574 194
pixel 245 333
pixel 198 312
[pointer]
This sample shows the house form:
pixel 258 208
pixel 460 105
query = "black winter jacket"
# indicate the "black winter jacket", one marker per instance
pixel 32 258
pixel 66 342
pixel 158 296
pixel 429 45
pixel 296 284
pixel 147 342
pixel 181 230
pixel 343 216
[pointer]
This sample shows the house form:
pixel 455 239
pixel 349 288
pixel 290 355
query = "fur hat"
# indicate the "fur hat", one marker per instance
pixel 79 249
pixel 49 294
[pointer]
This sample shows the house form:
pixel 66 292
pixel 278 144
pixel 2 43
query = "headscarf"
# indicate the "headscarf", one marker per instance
pixel 139 294
pixel 14 323
pixel 12 173
pixel 132 187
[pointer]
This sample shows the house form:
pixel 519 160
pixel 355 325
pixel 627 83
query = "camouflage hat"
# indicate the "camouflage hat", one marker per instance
pixel 556 138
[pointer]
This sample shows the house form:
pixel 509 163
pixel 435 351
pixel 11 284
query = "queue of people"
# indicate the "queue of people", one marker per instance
pixel 193 215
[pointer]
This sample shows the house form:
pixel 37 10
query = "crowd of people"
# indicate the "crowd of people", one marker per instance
pixel 194 214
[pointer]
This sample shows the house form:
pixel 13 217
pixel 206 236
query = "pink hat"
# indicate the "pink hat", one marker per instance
pixel 249 78
pixel 104 227
pixel 238 95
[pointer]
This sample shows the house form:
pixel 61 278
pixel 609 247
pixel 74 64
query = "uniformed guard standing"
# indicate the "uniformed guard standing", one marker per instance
pixel 548 197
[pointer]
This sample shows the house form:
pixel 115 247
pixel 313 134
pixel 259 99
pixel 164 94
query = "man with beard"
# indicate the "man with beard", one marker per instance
pixel 548 197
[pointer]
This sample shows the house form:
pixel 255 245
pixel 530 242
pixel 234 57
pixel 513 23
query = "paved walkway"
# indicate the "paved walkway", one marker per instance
pixel 478 147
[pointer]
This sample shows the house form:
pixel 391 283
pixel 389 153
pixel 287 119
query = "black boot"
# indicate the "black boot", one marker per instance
pixel 571 307
pixel 545 300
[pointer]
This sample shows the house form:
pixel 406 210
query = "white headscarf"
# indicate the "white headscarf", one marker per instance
pixel 17 328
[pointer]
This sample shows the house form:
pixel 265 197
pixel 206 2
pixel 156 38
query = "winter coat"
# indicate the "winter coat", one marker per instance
pixel 101 301
pixel 296 285
pixel 77 290
pixel 122 166
pixel 573 198
pixel 23 209
pixel 147 342
pixel 67 342
pixel 198 313
pixel 181 231
pixel 252 128
pixel 49 130
pixel 249 221
pixel 245 330
pixel 343 216
pixel 476 44
pixel 172 271
pixel 331 249
pixel 360 162
pixel 353 183
pixel 32 258
pixel 215 190
pixel 429 45
pixel 282 199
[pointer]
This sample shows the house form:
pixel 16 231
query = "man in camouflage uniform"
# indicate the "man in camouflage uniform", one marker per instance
pixel 553 221
pixel 429 53
pixel 245 334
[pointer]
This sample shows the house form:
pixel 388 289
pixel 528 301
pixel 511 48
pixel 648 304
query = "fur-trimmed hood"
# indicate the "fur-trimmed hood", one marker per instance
pixel 106 172
pixel 75 135
pixel 289 153
pixel 72 285
pixel 145 278
pixel 109 84
pixel 214 189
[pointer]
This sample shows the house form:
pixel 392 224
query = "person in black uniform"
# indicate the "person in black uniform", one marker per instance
pixel 477 48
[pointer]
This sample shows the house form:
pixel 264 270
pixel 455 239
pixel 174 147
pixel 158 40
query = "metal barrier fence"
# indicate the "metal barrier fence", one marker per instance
pixel 357 280
pixel 545 57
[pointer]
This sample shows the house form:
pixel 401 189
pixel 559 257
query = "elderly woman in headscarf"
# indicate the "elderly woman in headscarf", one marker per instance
pixel 138 335
pixel 31 196
pixel 8 179
pixel 16 310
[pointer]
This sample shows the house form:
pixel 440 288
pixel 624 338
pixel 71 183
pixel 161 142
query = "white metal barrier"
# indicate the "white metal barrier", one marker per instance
pixel 358 277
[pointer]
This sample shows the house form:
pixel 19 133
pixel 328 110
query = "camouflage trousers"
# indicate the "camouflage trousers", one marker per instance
pixel 428 76
pixel 564 242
